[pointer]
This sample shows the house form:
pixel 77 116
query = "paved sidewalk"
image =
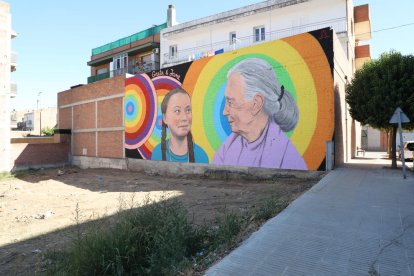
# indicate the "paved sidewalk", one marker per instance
pixel 358 220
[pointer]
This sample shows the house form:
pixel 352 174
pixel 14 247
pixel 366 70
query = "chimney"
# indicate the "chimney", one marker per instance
pixel 171 16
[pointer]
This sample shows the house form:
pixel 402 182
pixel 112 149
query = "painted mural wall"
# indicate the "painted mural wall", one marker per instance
pixel 270 105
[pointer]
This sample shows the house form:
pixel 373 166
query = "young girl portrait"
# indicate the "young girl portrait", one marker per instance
pixel 177 118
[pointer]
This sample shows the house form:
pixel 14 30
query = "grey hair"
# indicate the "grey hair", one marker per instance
pixel 259 77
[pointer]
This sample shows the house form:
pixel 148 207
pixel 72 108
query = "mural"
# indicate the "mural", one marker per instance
pixel 269 105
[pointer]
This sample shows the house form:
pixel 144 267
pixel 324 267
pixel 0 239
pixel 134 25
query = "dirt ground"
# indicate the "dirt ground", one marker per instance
pixel 39 209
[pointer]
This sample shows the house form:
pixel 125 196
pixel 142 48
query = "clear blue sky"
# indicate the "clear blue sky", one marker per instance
pixel 55 38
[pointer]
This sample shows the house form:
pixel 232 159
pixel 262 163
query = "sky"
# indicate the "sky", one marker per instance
pixel 55 38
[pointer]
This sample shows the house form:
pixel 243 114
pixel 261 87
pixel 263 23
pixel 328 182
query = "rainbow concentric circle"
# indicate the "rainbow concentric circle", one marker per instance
pixel 140 110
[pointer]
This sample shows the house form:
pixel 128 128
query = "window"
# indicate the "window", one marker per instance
pixel 120 64
pixel 125 61
pixel 173 51
pixel 259 33
pixel 102 71
pixel 146 59
pixel 232 38
pixel 120 61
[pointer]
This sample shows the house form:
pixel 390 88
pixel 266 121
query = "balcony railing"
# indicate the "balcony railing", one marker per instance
pixel 99 77
pixel 13 90
pixel 13 59
pixel 132 69
pixel 339 25
pixel 127 40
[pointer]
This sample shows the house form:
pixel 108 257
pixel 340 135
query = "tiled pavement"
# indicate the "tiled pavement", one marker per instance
pixel 358 220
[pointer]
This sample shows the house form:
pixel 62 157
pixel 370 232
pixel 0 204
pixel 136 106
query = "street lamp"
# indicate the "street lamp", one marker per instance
pixel 40 113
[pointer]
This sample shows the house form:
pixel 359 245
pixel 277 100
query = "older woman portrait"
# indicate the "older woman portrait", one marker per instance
pixel 259 111
pixel 177 117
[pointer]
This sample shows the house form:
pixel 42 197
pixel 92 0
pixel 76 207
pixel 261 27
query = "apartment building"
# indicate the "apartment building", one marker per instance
pixel 268 21
pixel 7 88
pixel 134 54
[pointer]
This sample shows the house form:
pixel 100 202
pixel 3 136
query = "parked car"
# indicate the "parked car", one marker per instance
pixel 408 150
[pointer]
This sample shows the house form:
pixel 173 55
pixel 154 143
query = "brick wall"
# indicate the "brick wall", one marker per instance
pixel 108 144
pixel 25 155
pixel 84 116
pixel 94 113
pixel 361 13
pixel 94 70
pixel 65 118
pixel 107 107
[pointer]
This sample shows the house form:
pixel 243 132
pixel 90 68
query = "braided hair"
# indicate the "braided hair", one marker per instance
pixel 190 143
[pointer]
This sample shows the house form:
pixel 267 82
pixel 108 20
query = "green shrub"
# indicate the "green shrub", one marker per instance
pixel 229 225
pixel 47 131
pixel 155 239
pixel 270 208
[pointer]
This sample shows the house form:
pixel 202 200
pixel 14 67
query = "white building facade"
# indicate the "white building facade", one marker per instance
pixel 257 23
pixel 276 19
pixel 7 90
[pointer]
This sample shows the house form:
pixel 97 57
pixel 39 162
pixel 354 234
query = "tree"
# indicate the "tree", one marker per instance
pixel 378 88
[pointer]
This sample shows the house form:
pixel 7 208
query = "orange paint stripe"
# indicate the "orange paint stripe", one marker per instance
pixel 193 73
pixel 320 70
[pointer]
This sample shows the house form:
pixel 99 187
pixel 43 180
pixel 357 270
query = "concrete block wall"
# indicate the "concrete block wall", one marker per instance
pixel 192 169
pixel 94 114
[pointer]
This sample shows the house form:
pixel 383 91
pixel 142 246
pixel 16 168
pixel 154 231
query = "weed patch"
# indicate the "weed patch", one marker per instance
pixel 157 239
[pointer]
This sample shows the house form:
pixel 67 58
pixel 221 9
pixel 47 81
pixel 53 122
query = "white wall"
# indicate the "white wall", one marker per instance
pixel 373 139
pixel 407 136
pixel 47 117
pixel 343 122
pixel 5 58
pixel 29 119
pixel 212 33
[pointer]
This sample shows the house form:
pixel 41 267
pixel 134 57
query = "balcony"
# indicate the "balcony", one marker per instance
pixel 99 77
pixel 362 23
pixel 13 90
pixel 13 34
pixel 362 55
pixel 130 39
pixel 185 55
pixel 132 69
pixel 13 61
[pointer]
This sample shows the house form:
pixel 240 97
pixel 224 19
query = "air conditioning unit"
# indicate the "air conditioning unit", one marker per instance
pixel 156 50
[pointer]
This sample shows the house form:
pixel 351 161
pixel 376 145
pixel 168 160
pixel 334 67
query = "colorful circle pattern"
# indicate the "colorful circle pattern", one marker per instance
pixel 140 110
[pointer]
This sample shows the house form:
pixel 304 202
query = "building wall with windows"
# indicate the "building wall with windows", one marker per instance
pixel 257 23
pixel 7 89
pixel 134 54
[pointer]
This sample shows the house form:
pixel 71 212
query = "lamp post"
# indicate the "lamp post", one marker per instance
pixel 40 113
